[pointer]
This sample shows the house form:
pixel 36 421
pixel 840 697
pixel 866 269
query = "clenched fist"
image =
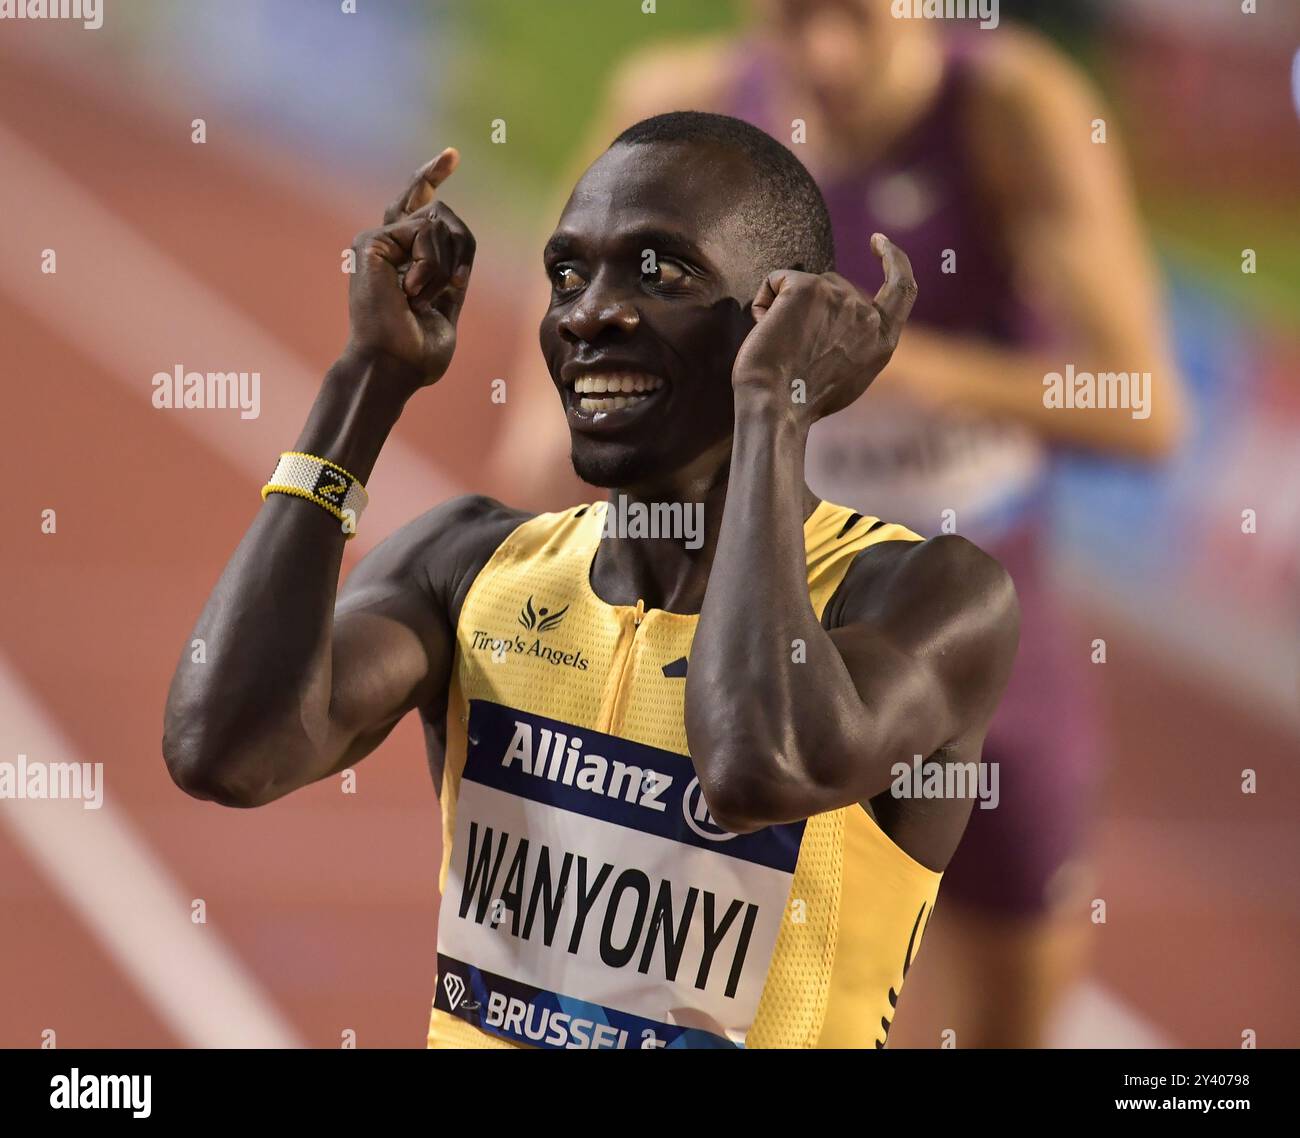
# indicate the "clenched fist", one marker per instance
pixel 820 330
pixel 411 278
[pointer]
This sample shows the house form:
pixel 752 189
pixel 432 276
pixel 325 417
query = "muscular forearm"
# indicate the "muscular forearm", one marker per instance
pixel 784 719
pixel 769 702
pixel 249 719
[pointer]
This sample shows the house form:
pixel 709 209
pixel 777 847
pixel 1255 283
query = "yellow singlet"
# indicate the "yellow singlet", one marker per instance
pixel 588 898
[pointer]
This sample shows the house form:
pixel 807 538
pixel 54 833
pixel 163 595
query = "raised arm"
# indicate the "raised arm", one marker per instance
pixel 923 655
pixel 288 690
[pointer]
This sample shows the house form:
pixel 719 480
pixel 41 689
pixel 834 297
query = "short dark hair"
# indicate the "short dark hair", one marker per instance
pixel 785 212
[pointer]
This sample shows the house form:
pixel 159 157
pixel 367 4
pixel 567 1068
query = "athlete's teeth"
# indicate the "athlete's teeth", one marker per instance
pixel 616 384
pixel 612 403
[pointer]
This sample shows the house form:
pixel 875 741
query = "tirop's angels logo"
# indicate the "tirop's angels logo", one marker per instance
pixel 540 620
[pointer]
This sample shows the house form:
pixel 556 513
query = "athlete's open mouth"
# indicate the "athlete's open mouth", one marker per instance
pixel 610 398
pixel 615 391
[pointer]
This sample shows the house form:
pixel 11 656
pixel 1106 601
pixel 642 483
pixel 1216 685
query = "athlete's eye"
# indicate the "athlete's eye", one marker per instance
pixel 666 273
pixel 565 278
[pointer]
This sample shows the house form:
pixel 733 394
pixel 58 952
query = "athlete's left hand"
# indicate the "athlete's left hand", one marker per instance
pixel 820 330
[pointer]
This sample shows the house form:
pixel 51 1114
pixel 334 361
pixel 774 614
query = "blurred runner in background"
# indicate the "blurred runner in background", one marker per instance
pixel 974 151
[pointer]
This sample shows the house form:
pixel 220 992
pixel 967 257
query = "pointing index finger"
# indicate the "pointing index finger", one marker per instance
pixel 424 185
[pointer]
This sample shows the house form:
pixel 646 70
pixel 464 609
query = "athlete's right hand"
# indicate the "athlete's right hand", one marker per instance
pixel 411 277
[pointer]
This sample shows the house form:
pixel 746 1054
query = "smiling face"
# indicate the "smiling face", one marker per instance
pixel 651 282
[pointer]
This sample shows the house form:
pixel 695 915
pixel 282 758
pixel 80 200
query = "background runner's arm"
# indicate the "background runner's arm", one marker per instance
pixel 288 692
pixel 1066 208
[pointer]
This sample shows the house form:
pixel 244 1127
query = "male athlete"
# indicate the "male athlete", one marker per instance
pixel 681 781
pixel 963 145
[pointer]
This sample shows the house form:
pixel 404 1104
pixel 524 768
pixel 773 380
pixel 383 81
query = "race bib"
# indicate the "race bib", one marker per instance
pixel 591 900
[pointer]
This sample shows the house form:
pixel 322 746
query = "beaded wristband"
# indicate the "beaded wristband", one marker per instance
pixel 318 480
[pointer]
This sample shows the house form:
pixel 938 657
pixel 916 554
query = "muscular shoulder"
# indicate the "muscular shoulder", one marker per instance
pixel 461 535
pixel 944 599
pixel 441 551
pixel 946 566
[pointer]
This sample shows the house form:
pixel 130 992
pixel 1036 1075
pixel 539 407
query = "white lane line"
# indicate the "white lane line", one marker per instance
pixel 108 875
pixel 125 303
pixel 1091 1016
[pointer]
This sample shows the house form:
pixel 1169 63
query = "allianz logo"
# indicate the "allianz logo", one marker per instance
pixel 558 757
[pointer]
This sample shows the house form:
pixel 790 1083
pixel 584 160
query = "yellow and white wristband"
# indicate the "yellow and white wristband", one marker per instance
pixel 318 480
